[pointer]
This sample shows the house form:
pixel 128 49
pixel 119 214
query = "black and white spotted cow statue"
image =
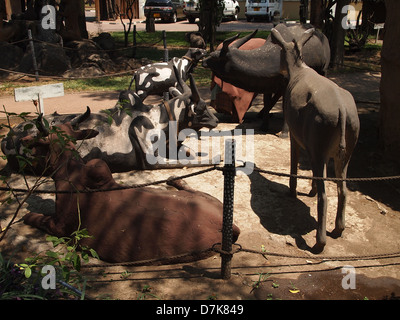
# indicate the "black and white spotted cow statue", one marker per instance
pixel 157 78
pixel 124 143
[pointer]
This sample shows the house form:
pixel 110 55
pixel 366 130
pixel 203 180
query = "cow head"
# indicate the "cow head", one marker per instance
pixel 129 99
pixel 49 148
pixel 292 52
pixel 14 145
pixel 222 61
pixel 198 111
pixel 197 115
pixel 195 54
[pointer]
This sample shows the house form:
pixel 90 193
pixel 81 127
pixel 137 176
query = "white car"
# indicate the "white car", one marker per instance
pixel 191 9
pixel 231 9
pixel 262 9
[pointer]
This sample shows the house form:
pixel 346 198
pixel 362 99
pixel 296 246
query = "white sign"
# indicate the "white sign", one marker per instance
pixel 39 93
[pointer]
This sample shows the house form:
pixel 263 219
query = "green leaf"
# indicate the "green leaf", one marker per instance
pixel 94 253
pixel 28 272
pixel 77 263
pixel 109 120
pixel 52 254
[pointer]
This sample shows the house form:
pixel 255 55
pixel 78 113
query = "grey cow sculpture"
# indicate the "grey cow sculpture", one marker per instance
pixel 257 70
pixel 323 120
pixel 157 78
pixel 124 144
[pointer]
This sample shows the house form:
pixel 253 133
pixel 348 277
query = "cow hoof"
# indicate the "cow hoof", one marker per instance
pixel 336 233
pixel 312 193
pixel 318 248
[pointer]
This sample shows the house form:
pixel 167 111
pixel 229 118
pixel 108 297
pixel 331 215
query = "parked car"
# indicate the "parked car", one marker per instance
pixel 167 10
pixel 262 9
pixel 191 9
pixel 232 9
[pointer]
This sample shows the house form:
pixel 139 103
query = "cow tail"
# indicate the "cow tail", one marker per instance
pixel 342 123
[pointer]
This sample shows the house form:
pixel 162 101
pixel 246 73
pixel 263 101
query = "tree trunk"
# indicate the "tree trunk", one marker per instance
pixel 337 44
pixel 107 10
pixel 82 20
pixel 317 14
pixel 389 88
pixel 73 13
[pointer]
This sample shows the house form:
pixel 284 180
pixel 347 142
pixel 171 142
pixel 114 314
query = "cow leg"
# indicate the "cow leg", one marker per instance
pixel 294 161
pixel 42 222
pixel 340 172
pixel 319 170
pixel 264 113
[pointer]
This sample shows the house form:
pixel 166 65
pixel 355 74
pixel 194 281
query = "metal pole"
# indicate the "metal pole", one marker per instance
pixel 166 58
pixel 33 54
pixel 164 36
pixel 227 221
pixel 134 41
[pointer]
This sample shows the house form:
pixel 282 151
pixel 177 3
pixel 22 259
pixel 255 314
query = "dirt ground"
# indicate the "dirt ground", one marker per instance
pixel 270 220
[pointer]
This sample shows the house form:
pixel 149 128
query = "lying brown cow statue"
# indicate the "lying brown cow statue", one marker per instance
pixel 127 224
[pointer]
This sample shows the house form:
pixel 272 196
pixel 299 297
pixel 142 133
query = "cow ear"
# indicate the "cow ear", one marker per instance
pixel 277 38
pixel 305 37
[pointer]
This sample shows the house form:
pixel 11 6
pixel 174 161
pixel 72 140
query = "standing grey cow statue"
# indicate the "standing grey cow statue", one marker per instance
pixel 124 143
pixel 257 70
pixel 323 120
pixel 157 78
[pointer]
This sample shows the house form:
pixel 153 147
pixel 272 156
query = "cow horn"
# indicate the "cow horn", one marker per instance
pixel 41 126
pixel 79 119
pixel 182 84
pixel 242 41
pixel 195 91
pixel 227 42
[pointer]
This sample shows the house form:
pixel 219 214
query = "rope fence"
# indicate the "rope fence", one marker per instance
pixel 200 172
pixel 130 47
pixel 36 75
pixel 226 248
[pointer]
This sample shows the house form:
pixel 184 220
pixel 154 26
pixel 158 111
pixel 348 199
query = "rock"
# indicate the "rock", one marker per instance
pixel 105 63
pixel 50 58
pixel 105 41
pixel 195 39
pixel 86 71
pixel 10 55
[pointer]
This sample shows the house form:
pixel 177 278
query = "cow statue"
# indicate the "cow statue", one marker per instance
pixel 124 143
pixel 157 78
pixel 323 120
pixel 257 70
pixel 127 224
